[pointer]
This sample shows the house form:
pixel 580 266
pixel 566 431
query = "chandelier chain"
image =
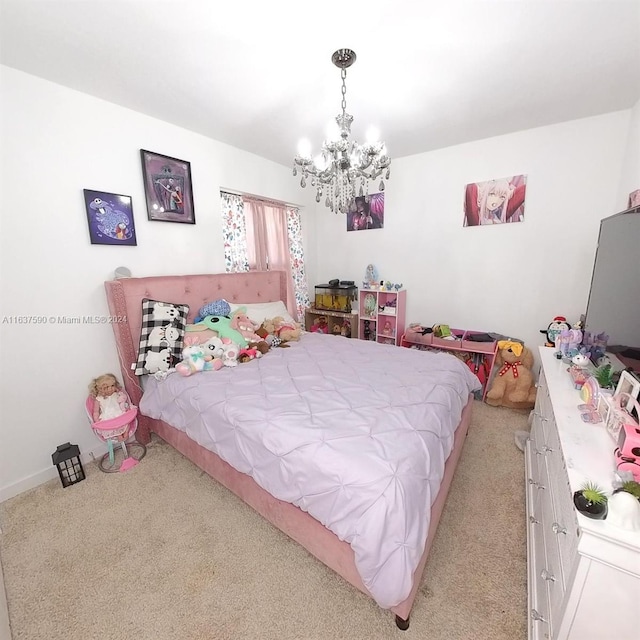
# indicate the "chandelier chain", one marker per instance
pixel 343 73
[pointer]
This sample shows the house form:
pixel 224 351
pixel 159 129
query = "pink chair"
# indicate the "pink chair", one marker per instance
pixel 117 431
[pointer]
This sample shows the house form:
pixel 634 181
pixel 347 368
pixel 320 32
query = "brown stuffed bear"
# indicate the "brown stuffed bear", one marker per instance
pixel 286 331
pixel 513 384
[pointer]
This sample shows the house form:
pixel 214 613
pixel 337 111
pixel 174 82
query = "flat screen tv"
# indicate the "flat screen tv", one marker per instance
pixel 614 298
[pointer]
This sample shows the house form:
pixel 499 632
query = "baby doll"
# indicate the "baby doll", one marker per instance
pixel 111 400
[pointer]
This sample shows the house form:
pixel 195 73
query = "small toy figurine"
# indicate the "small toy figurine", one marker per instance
pixel 367 330
pixel 320 325
pixel 371 275
pixel 568 341
pixel 558 324
pixel 111 400
pixel 387 328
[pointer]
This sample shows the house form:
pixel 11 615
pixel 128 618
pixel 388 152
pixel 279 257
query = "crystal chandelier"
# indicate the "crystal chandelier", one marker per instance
pixel 343 167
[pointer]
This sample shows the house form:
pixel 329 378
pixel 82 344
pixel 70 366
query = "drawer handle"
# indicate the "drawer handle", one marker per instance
pixel 545 575
pixel 537 485
pixel 558 528
pixel 536 616
pixel 532 520
pixel 547 449
pixel 540 453
pixel 539 415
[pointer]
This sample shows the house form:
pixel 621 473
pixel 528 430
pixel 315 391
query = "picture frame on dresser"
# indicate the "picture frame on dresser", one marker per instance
pixel 630 385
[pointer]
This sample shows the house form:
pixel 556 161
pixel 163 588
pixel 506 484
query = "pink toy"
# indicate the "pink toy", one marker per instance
pixel 199 357
pixel 114 420
pixel 244 325
pixel 568 341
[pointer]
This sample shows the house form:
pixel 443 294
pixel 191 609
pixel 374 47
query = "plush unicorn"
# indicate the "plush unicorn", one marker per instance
pixel 197 357
pixel 568 342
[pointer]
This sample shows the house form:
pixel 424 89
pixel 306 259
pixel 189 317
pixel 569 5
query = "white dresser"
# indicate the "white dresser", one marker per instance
pixel 583 574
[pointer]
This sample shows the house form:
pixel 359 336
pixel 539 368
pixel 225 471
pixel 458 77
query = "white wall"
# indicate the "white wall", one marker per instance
pixel 55 142
pixel 630 178
pixel 514 278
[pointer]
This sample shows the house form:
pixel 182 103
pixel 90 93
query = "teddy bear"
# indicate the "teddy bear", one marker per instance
pixel 270 339
pixel 279 327
pixel 513 384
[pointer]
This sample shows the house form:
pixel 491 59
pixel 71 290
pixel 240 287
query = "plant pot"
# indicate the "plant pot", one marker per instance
pixel 589 509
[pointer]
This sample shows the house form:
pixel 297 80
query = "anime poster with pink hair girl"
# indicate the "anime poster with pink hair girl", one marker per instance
pixel 366 212
pixel 495 201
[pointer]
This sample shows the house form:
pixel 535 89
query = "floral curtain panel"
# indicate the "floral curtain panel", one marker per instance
pixel 234 233
pixel 301 291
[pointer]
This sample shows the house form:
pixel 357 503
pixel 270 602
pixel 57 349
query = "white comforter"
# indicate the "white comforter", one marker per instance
pixel 353 432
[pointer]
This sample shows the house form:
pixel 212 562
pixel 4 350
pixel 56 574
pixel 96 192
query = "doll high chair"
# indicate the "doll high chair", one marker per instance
pixel 117 431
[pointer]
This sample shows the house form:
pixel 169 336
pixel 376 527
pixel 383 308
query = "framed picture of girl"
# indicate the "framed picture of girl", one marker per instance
pixel 495 201
pixel 167 187
pixel 366 212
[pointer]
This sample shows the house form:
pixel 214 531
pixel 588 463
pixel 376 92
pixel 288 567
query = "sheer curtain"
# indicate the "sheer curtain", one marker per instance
pixel 266 235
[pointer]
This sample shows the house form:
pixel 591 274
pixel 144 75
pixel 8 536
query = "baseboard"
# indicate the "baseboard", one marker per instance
pixel 40 477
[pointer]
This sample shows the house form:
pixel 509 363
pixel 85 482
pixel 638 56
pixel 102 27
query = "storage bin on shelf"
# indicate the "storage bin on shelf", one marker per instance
pixel 456 343
pixel 477 346
pixel 463 342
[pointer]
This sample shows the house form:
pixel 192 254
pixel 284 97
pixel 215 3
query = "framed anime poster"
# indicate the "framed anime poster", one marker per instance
pixel 366 212
pixel 497 201
pixel 110 218
pixel 167 188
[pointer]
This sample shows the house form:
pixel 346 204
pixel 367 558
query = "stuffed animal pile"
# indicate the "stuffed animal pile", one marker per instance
pixel 512 384
pixel 216 341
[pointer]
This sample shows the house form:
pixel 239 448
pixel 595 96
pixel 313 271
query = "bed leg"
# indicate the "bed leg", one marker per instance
pixel 143 434
pixel 401 623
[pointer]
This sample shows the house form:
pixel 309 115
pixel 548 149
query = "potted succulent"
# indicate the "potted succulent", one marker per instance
pixel 630 486
pixel 591 501
pixel 604 375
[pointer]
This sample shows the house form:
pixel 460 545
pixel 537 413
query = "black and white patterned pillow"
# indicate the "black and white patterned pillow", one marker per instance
pixel 161 336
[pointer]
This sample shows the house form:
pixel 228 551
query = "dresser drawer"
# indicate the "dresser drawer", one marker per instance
pixel 538 600
pixel 539 609
pixel 565 529
pixel 552 572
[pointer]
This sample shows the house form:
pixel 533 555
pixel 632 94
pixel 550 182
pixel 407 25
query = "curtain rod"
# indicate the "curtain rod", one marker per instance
pixel 260 198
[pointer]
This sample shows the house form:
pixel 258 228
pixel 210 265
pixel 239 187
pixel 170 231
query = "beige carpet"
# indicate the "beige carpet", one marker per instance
pixel 162 552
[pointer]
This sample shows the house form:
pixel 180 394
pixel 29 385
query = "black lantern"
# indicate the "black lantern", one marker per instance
pixel 67 459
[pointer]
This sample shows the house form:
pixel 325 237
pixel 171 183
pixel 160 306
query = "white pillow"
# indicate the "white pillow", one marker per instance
pixel 259 311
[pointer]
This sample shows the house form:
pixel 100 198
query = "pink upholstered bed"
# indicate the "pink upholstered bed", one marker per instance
pixel 125 302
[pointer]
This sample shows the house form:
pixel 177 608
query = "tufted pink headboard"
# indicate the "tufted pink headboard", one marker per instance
pixel 125 296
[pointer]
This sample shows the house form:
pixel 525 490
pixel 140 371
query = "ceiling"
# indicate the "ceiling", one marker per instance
pixel 258 75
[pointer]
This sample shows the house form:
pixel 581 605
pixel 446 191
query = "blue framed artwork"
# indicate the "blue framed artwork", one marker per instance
pixel 110 218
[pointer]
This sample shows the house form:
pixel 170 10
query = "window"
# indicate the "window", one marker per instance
pixel 266 235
